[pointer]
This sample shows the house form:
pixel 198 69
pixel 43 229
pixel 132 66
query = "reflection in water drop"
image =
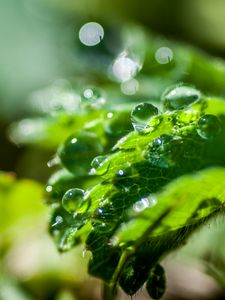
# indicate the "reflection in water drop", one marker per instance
pixel 124 68
pixel 91 34
pixel 130 87
pixel 73 199
pixel 99 165
pixel 164 55
pixel 144 203
pixel 208 127
pixel 141 115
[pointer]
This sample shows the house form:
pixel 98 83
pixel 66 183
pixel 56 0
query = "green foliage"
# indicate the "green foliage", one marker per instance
pixel 133 194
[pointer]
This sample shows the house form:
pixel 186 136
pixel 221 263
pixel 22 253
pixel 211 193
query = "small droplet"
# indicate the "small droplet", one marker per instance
pixel 144 203
pixel 117 124
pixel 165 151
pixel 179 97
pixel 164 55
pixel 208 127
pixel 141 115
pixel 99 165
pixel 92 98
pixel 58 221
pixel 73 200
pixel 91 34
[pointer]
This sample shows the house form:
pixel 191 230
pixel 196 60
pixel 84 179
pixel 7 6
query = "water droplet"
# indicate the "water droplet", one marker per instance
pixel 73 200
pixel 144 203
pixel 164 55
pixel 120 173
pixel 77 152
pixel 141 115
pixel 129 87
pixel 179 97
pixel 125 68
pixel 99 165
pixel 117 123
pixel 92 98
pixel 165 151
pixel 208 127
pixel 49 188
pixel 91 34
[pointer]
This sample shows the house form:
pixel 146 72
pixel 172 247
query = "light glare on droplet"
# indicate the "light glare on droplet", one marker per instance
pixel 91 34
pixel 124 68
pixel 164 55
pixel 130 87
pixel 88 93
pixel 144 203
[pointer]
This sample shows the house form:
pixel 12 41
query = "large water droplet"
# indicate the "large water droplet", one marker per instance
pixel 92 98
pixel 208 127
pixel 179 97
pixel 117 123
pixel 165 151
pixel 78 150
pixel 141 114
pixel 73 200
pixel 144 203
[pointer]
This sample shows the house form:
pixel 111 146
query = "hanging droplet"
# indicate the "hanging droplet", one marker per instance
pixel 78 150
pixel 92 98
pixel 165 151
pixel 141 114
pixel 179 97
pixel 144 203
pixel 99 165
pixel 156 284
pixel 73 200
pixel 208 127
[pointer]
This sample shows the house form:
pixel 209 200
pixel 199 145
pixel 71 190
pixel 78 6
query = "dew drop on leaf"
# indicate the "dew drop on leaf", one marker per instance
pixel 99 165
pixel 73 199
pixel 208 127
pixel 179 97
pixel 77 152
pixel 141 114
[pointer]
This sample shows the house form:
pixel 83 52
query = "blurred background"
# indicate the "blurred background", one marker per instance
pixel 43 57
